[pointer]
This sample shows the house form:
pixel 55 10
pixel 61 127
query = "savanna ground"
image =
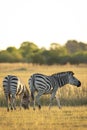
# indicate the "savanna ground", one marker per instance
pixel 73 114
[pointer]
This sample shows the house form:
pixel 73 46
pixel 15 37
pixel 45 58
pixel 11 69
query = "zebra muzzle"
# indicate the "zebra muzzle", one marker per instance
pixel 79 84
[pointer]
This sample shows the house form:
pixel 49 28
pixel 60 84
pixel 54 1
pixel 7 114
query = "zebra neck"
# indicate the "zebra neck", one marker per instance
pixel 61 80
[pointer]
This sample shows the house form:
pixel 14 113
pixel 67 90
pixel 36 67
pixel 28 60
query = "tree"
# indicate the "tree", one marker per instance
pixel 82 46
pixel 72 46
pixel 79 57
pixel 17 57
pixel 5 56
pixel 54 46
pixel 11 49
pixel 28 49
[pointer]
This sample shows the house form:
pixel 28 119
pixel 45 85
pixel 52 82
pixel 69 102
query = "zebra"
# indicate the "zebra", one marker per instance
pixel 12 87
pixel 44 84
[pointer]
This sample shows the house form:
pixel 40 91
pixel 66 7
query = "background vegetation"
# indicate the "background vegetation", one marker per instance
pixel 72 52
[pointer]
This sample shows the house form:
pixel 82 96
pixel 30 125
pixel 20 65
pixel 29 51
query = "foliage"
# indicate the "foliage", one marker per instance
pixel 72 52
pixel 10 55
pixel 73 46
pixel 27 50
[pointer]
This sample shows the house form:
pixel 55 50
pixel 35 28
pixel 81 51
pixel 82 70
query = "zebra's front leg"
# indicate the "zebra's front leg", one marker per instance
pixel 58 102
pixel 34 104
pixel 33 99
pixel 51 99
pixel 21 97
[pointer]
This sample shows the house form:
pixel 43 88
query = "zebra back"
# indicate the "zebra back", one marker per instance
pixel 10 84
pixel 13 87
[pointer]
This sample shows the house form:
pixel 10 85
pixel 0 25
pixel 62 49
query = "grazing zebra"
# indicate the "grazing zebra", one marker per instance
pixel 13 87
pixel 44 84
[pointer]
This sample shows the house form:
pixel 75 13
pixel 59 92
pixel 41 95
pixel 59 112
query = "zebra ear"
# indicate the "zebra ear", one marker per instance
pixel 71 72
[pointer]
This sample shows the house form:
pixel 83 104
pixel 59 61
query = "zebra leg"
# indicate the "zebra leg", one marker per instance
pixel 11 102
pixel 51 99
pixel 58 102
pixel 38 98
pixel 7 102
pixel 21 97
pixel 33 99
pixel 14 102
pixel 33 104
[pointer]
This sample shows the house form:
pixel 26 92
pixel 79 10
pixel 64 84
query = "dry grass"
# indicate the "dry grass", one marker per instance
pixel 70 117
pixel 66 119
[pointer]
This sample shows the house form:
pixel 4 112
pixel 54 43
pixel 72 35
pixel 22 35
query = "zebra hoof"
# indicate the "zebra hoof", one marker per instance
pixel 34 109
pixel 39 107
pixel 7 109
pixel 60 107
pixel 12 108
pixel 15 108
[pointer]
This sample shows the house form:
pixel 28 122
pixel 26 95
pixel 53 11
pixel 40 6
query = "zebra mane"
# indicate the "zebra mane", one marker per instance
pixel 63 73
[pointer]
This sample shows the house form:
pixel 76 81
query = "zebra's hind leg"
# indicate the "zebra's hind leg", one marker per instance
pixel 14 102
pixel 11 102
pixel 7 102
pixel 40 93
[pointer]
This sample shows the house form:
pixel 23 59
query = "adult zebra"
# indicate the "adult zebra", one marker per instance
pixel 44 84
pixel 13 87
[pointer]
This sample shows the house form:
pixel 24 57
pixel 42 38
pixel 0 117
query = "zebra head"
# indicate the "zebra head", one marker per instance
pixel 26 99
pixel 73 80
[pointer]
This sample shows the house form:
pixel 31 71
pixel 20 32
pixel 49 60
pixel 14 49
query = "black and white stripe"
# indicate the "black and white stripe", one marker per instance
pixel 13 87
pixel 44 84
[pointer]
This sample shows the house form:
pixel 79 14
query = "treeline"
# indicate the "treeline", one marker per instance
pixel 72 52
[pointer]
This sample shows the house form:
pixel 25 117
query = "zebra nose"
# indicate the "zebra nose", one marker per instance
pixel 79 84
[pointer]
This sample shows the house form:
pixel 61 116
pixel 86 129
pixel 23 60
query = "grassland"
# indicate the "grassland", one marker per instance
pixel 66 119
pixel 73 114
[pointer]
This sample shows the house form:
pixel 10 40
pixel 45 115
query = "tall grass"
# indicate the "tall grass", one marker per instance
pixel 69 95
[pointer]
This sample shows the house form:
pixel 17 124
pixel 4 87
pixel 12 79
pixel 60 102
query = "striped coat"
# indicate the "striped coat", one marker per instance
pixel 13 87
pixel 43 84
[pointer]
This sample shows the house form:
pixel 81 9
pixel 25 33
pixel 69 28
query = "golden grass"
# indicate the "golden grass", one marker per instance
pixel 66 119
pixel 24 70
